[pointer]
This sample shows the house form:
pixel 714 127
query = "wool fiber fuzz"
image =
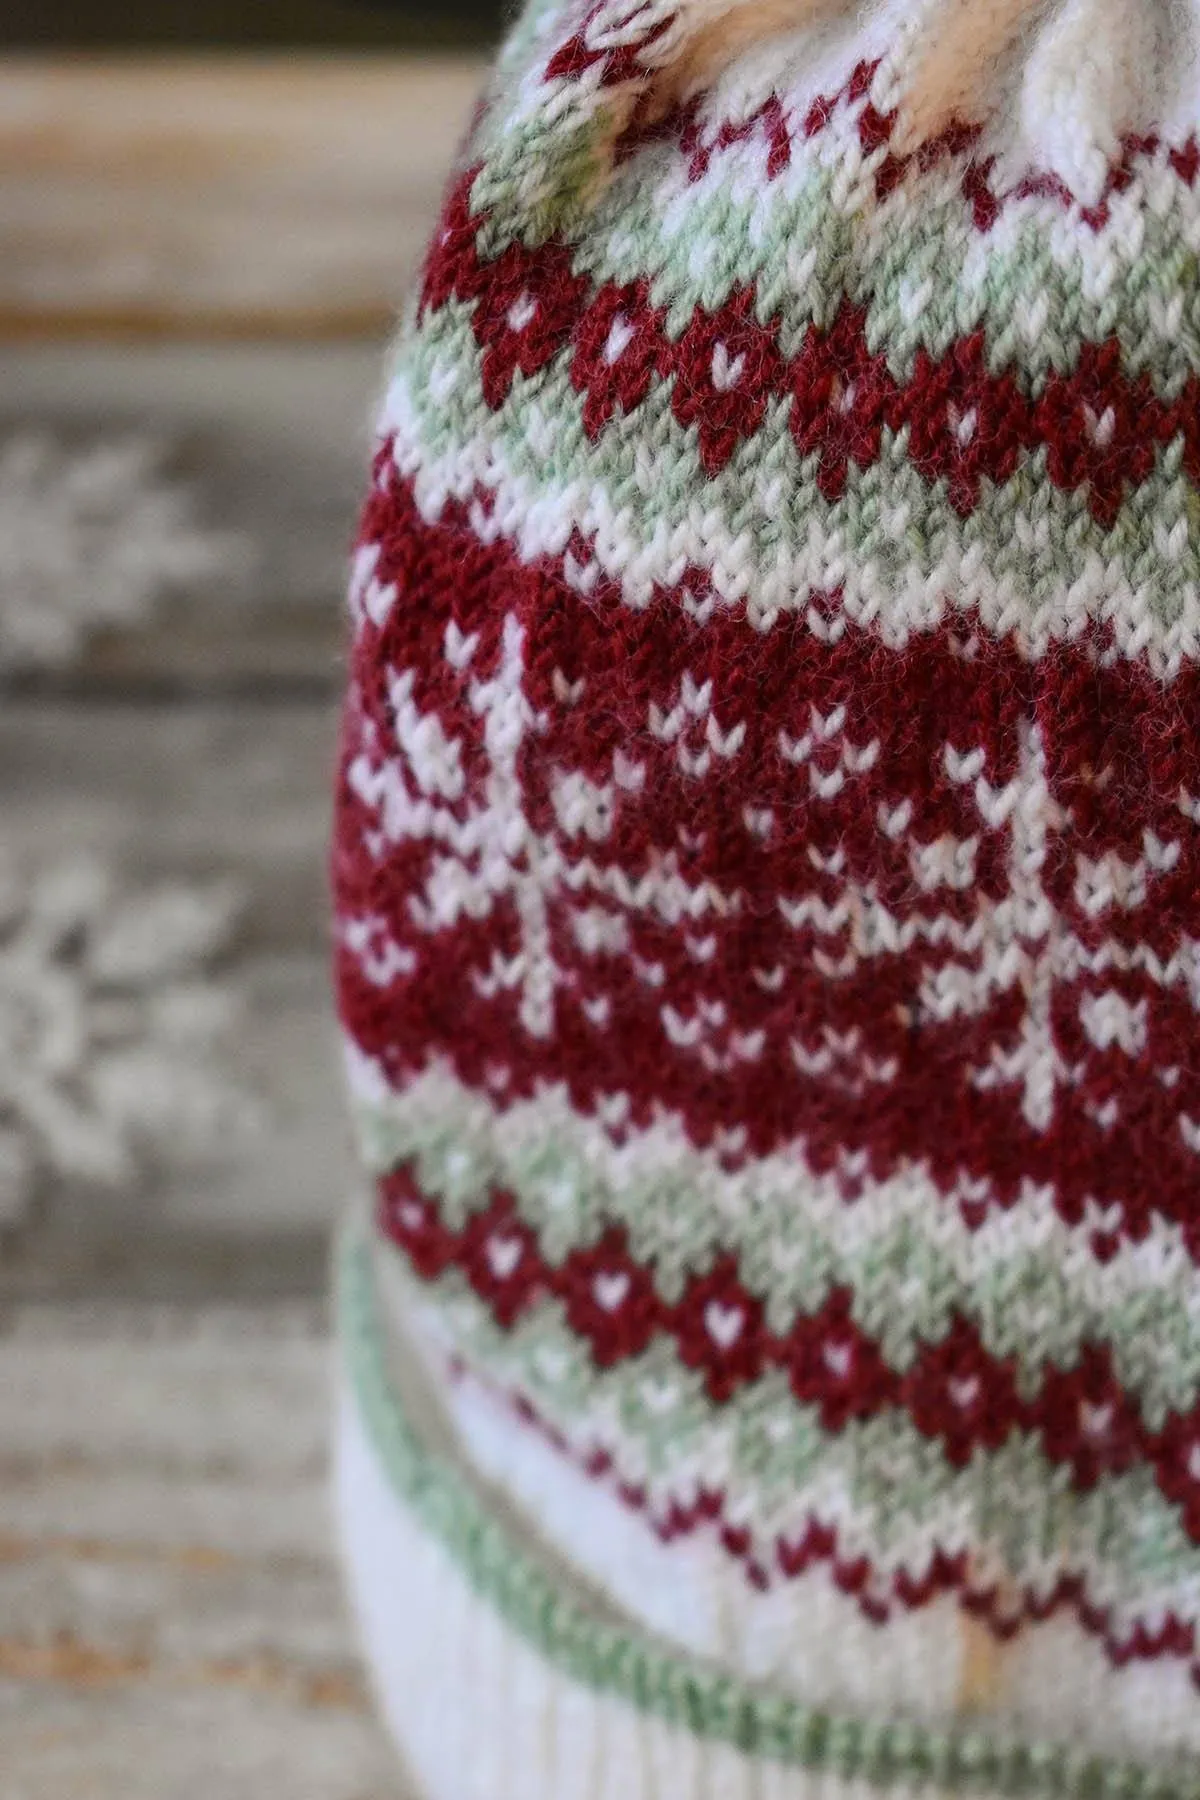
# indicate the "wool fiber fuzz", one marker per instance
pixel 767 880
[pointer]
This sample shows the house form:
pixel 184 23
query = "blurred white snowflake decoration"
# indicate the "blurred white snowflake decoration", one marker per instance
pixel 94 536
pixel 113 1027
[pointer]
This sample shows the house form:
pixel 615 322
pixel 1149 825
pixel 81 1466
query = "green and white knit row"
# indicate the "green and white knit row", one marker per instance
pixel 889 1491
pixel 1029 1281
pixel 805 1635
pixel 729 1730
pixel 1039 284
pixel 547 141
pixel 1030 560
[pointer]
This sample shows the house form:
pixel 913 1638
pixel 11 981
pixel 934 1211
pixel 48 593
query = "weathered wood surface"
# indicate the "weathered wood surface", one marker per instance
pixel 270 446
pixel 197 792
pixel 252 196
pixel 171 1623
pixel 194 746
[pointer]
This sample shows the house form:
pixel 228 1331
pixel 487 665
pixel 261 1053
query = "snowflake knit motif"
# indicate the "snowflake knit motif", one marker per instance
pixel 92 536
pixel 112 1027
pixel 767 875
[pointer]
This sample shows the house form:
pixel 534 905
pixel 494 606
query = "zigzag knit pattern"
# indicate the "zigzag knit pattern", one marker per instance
pixel 768 867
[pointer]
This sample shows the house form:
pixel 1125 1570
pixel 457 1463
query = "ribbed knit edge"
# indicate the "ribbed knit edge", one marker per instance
pixel 622 1665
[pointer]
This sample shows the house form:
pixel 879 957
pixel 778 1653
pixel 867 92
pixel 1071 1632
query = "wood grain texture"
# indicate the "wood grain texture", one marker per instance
pixel 274 196
pixel 168 791
pixel 271 444
pixel 171 1620
pixel 196 746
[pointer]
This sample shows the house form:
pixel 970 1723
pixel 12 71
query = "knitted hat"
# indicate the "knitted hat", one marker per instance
pixel 768 921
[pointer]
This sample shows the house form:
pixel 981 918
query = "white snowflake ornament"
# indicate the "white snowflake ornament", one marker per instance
pixel 93 537
pixel 112 1026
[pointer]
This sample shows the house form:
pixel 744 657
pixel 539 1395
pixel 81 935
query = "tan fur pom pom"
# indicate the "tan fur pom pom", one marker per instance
pixel 952 69
pixel 718 40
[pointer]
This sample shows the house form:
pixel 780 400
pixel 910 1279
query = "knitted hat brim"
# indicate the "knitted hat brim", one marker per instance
pixel 503 1680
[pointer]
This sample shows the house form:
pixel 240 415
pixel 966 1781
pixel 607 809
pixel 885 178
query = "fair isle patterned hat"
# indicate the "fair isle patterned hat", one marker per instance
pixel 768 921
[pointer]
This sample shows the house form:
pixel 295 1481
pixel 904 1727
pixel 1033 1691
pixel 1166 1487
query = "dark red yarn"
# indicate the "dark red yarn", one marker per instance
pixel 963 423
pixel 956 1391
pixel 1003 1612
pixel 618 64
pixel 945 687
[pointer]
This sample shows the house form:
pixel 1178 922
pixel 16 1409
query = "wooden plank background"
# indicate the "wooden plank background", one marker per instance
pixel 258 196
pixel 199 747
pixel 171 1624
pixel 204 256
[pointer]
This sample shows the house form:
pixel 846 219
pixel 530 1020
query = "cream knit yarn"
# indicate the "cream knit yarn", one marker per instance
pixel 767 884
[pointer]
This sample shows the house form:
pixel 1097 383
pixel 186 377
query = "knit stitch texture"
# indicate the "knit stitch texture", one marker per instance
pixel 767 867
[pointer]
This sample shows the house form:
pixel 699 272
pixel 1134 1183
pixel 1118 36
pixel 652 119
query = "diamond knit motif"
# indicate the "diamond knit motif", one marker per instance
pixel 768 868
